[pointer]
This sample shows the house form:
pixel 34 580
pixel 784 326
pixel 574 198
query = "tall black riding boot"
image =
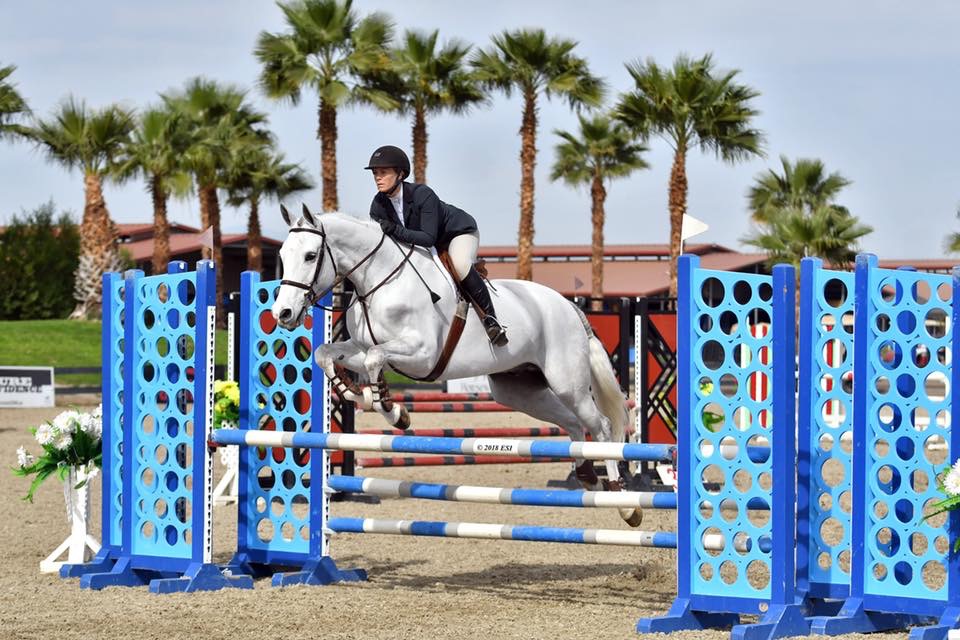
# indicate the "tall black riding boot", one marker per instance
pixel 475 287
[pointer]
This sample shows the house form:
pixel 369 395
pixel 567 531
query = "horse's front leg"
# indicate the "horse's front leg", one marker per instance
pixel 377 357
pixel 350 356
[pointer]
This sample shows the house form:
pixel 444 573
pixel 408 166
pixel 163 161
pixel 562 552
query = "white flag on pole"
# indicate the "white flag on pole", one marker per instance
pixel 206 238
pixel 692 227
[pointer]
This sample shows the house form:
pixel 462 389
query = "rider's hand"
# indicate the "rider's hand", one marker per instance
pixel 388 226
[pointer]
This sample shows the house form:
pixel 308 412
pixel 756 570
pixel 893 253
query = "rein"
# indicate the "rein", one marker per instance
pixel 312 297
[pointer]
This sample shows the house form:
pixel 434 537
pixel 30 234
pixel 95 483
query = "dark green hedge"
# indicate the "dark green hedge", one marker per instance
pixel 39 252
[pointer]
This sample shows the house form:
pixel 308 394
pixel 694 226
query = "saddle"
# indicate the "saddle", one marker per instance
pixel 380 390
pixel 481 267
pixel 459 317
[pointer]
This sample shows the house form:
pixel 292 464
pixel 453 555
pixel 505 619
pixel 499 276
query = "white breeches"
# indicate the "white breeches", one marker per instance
pixel 463 252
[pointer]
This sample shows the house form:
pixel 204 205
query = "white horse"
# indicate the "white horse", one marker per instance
pixel 554 368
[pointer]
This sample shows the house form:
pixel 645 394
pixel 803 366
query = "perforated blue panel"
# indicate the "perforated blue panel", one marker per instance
pixel 905 367
pixel 733 412
pixel 168 321
pixel 826 428
pixel 276 374
pixel 112 398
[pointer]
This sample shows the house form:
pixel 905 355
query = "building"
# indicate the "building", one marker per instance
pixel 638 270
pixel 628 270
pixel 185 244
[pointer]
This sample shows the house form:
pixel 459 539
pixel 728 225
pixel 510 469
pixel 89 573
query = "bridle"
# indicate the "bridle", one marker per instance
pixel 311 294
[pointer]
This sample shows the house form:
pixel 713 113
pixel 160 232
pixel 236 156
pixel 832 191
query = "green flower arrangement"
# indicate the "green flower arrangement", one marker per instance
pixel 226 404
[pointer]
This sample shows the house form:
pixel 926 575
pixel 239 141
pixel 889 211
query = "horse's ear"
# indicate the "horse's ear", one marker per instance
pixel 309 217
pixel 286 215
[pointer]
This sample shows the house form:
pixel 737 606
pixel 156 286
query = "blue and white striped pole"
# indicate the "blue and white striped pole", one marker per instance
pixel 496 495
pixel 448 446
pixel 483 531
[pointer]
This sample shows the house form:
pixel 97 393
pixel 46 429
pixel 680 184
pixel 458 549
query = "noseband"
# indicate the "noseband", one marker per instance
pixel 311 295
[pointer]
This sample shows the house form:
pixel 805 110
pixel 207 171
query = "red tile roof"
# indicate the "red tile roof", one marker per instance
pixel 620 277
pixel 923 264
pixel 183 243
pixel 610 250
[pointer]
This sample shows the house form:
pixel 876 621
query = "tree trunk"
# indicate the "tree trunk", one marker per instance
pixel 419 146
pixel 678 207
pixel 161 227
pixel 210 217
pixel 254 238
pixel 327 133
pixel 98 250
pixel 528 160
pixel 598 196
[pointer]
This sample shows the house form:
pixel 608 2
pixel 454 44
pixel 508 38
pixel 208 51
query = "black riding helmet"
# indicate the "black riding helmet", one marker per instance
pixel 389 156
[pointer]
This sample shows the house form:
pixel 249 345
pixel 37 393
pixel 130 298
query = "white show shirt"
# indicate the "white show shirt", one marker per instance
pixel 397 203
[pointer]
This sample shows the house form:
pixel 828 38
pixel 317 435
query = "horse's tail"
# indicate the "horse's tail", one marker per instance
pixel 606 389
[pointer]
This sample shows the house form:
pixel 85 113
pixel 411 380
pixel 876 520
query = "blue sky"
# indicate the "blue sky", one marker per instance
pixel 871 88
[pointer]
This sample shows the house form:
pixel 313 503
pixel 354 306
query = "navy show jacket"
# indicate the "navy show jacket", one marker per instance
pixel 428 221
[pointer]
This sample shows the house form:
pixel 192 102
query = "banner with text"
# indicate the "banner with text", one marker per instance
pixel 26 386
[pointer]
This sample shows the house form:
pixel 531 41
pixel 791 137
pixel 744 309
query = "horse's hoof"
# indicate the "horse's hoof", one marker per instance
pixel 587 475
pixel 367 403
pixel 403 422
pixel 633 517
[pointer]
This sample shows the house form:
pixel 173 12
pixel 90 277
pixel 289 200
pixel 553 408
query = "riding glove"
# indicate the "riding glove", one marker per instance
pixel 388 226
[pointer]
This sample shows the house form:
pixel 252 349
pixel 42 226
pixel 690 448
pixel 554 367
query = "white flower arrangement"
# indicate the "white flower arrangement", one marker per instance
pixel 951 481
pixel 71 440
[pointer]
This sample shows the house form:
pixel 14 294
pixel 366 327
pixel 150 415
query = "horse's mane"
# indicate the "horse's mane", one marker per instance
pixel 337 215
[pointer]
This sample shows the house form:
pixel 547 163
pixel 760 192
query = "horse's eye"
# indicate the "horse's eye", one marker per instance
pixel 310 257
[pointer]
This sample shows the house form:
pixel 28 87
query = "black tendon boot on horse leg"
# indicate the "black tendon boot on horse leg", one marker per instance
pixel 475 288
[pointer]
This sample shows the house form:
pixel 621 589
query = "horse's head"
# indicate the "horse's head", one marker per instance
pixel 308 269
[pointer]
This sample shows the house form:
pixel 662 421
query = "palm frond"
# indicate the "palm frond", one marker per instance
pixel 602 147
pixel 13 107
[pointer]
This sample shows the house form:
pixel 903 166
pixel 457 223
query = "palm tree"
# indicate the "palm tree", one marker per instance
pixel 793 233
pixel 12 105
pixel 527 61
pixel 601 151
pixel 802 185
pixel 952 243
pixel 155 152
pixel 330 49
pixel 78 137
pixel 223 127
pixel 690 104
pixel 261 175
pixel 426 81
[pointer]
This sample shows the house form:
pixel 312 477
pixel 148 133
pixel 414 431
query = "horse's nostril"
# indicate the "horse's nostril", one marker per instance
pixel 286 314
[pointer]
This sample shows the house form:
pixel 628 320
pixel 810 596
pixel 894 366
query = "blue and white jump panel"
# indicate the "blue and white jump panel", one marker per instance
pixel 903 572
pixel 282 508
pixel 167 472
pixel 824 430
pixel 736 383
pixel 111 358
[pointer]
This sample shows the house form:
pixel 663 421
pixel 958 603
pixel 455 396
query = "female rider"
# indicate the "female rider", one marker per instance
pixel 413 213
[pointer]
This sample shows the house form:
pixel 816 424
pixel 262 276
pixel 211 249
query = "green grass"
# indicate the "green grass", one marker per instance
pixel 64 343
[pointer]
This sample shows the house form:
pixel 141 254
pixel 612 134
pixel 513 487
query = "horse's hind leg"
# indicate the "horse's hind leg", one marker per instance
pixel 528 392
pixel 571 387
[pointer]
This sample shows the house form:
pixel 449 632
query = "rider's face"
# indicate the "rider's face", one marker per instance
pixel 385 177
